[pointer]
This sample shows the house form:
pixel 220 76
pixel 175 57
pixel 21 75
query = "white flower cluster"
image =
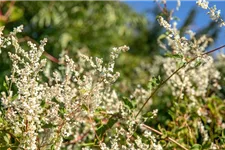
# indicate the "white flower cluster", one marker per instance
pixel 137 144
pixel 164 23
pixel 77 100
pixel 140 94
pixel 202 3
pixel 213 146
pixel 178 4
pixel 213 12
pixel 215 15
pixel 204 133
pixel 25 109
pixel 162 1
pixel 42 114
pixel 17 30
pixel 190 80
pixel 6 41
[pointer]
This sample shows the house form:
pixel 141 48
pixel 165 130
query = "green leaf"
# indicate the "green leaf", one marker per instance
pixel 153 82
pixel 16 14
pixel 84 107
pixel 172 113
pixel 62 110
pixel 65 38
pixel 174 55
pixel 52 147
pixel 99 109
pixel 196 147
pixel 7 138
pixel 176 18
pixel 49 125
pixel 5 86
pixel 162 36
pixel 148 114
pixel 159 127
pixel 103 128
pixel 43 104
pixel 14 97
pixel 164 134
pixel 88 144
pixel 55 100
pixel 198 63
pixel 128 103
pixel 1 121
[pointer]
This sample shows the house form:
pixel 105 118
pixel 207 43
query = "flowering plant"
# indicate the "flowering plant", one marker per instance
pixel 77 106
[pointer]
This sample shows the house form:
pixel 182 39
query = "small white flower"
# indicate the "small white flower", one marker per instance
pixel 178 4
pixel 203 3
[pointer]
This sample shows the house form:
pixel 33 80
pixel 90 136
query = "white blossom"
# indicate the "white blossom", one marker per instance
pixel 203 3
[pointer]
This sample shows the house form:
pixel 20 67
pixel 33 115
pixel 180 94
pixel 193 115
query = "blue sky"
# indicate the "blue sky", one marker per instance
pixel 201 20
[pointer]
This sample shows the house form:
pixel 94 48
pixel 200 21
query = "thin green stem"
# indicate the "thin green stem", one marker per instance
pixel 176 71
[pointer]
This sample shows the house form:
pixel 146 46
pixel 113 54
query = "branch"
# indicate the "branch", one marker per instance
pixel 5 17
pixel 50 57
pixel 79 138
pixel 168 138
pixel 9 11
pixel 163 82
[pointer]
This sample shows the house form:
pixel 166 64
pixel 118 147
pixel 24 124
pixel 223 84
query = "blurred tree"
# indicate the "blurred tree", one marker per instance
pixel 69 26
pixel 97 26
pixel 92 27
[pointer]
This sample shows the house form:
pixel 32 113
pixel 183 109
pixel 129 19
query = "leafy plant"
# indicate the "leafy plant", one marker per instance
pixel 79 105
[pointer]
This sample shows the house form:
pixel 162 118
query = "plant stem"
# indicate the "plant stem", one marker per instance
pixel 50 57
pixel 168 138
pixel 163 82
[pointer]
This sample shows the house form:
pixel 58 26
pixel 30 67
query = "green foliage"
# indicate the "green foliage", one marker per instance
pixel 104 127
pixel 92 28
pixel 71 22
pixel 154 82
pixel 129 104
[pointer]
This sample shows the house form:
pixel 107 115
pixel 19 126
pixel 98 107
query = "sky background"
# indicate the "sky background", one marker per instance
pixel 202 19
